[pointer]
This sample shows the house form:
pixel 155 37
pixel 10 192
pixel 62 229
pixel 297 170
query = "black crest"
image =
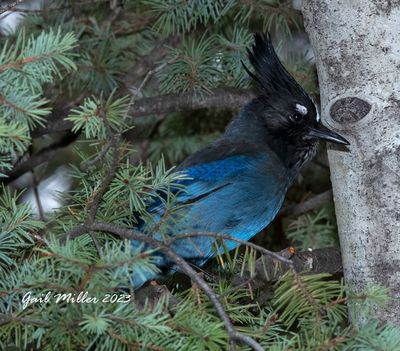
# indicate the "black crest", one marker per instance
pixel 274 80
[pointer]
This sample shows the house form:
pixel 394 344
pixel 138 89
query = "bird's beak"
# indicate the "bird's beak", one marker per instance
pixel 324 133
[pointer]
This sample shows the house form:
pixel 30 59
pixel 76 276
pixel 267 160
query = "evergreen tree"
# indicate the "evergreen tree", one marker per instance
pixel 120 91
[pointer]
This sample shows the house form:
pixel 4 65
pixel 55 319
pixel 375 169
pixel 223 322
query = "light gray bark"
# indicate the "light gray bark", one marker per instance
pixel 357 47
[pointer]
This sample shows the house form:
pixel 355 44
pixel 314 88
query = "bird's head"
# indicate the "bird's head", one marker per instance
pixel 285 109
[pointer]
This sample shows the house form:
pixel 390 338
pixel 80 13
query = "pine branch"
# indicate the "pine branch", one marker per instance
pixel 18 64
pixel 184 266
pixel 310 260
pixel 47 47
pixel 5 101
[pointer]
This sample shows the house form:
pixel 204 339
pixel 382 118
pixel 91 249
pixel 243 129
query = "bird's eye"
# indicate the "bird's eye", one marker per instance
pixel 296 117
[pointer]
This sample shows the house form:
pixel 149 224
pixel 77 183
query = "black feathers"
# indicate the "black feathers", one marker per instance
pixel 274 80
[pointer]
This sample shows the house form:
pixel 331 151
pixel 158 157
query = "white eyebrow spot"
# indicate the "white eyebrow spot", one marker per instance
pixel 301 109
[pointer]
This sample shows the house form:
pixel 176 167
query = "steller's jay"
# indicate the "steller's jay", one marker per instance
pixel 237 184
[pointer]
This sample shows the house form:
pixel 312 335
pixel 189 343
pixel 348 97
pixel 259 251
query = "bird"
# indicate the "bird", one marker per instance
pixel 237 184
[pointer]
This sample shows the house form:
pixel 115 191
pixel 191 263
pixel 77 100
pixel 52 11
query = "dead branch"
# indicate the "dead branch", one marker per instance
pixel 308 205
pixel 42 156
pixel 221 98
pixel 326 260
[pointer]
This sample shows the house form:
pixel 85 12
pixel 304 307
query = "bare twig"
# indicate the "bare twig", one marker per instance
pixel 85 165
pixel 9 7
pixel 221 98
pixel 313 203
pixel 151 72
pixel 12 7
pixel 137 92
pixel 147 62
pixel 259 248
pixel 7 318
pixel 75 232
pixel 96 244
pixel 114 145
pixel 35 185
pixel 55 121
pixel 42 156
pixel 95 203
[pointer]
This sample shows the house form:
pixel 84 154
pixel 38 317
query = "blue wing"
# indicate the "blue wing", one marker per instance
pixel 238 195
pixel 205 179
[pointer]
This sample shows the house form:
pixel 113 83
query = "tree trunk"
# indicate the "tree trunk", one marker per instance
pixel 357 47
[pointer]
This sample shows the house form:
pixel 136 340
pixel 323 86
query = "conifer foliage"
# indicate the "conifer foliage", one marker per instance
pixel 129 88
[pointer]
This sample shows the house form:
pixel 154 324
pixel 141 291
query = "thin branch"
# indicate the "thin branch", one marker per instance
pixel 147 62
pixel 42 156
pixel 7 318
pixel 96 244
pixel 9 7
pixel 221 98
pixel 21 62
pixel 12 7
pixel 5 101
pixel 35 185
pixel 313 203
pixel 259 248
pixel 140 22
pixel 114 144
pixel 75 232
pixel 95 203
pixel 55 121
pixel 137 92
pixel 152 72
pixel 85 165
